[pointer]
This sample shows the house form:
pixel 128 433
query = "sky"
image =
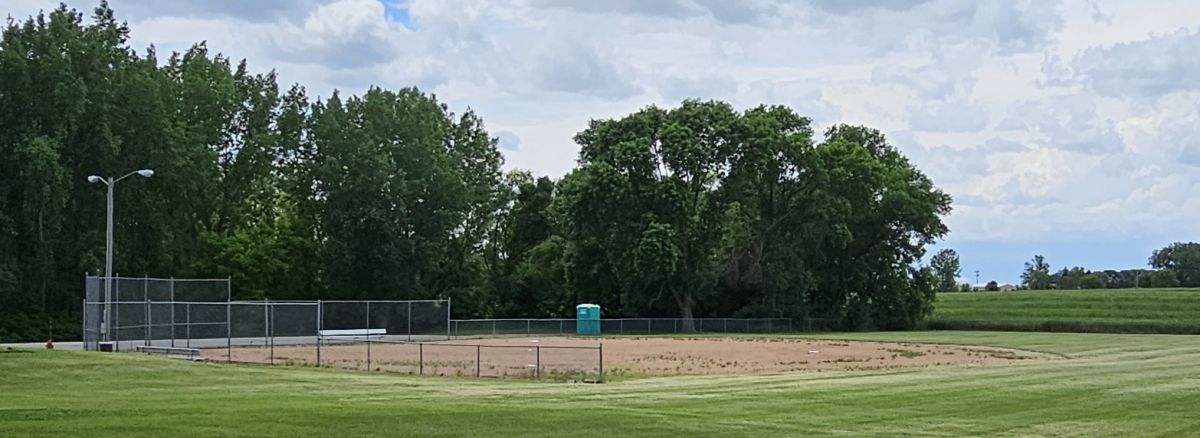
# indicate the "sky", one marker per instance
pixel 1063 128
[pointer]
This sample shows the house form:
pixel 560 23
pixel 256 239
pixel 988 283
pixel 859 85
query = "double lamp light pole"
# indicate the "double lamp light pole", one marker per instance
pixel 106 326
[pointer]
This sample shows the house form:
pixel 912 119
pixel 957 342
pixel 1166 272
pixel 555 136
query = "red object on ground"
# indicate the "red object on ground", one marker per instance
pixel 50 344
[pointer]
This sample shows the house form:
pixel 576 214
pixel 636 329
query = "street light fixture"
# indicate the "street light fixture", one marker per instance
pixel 108 242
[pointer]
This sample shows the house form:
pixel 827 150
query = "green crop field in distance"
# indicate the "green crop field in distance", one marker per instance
pixel 1102 385
pixel 1102 310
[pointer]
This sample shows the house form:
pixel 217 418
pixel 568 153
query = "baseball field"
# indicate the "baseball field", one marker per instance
pixel 1071 385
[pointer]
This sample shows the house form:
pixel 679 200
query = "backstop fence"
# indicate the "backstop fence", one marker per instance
pixel 116 309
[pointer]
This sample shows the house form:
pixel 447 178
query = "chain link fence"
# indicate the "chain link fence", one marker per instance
pixel 115 310
pixel 465 328
pixel 195 318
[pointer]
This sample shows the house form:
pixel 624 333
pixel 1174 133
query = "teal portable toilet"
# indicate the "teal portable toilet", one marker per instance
pixel 587 320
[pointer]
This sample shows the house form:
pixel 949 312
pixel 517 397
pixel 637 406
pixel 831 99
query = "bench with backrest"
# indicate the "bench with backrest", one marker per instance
pixel 180 352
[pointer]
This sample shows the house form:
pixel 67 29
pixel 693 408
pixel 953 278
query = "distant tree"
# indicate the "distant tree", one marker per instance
pixel 946 267
pixel 1037 273
pixel 992 286
pixel 1183 259
pixel 1143 279
pixel 1095 280
pixel 965 287
pixel 1163 278
pixel 1069 278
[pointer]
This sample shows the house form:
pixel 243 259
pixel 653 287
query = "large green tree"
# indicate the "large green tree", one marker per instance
pixel 1037 273
pixel 1182 258
pixel 404 194
pixel 883 211
pixel 530 257
pixel 946 267
pixel 703 207
pixel 643 201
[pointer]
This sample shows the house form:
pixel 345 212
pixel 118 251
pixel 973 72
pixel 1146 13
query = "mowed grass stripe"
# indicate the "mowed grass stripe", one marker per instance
pixel 1115 385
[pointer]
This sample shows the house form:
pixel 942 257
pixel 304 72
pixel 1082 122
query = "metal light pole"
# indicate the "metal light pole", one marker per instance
pixel 108 243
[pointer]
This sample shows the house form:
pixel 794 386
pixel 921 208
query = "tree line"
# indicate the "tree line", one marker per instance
pixel 1176 265
pixel 696 210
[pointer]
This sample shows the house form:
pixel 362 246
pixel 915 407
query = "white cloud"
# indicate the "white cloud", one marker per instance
pixel 345 34
pixel 1148 68
pixel 955 116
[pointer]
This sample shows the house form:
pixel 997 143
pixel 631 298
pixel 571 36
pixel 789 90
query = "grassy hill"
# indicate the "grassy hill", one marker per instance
pixel 1104 385
pixel 1103 310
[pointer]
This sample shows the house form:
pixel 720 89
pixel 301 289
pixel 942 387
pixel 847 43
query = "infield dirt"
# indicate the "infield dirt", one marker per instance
pixel 515 357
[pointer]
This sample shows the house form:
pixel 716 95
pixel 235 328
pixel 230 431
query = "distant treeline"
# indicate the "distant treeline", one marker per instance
pixel 1173 266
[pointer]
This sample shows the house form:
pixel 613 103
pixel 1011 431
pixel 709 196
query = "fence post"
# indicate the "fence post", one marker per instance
pixel 267 331
pixel 267 328
pixel 84 315
pixel 187 323
pixel 410 321
pixel 85 322
pixel 368 336
pixel 420 358
pixel 146 326
pixel 477 357
pixel 537 371
pixel 115 325
pixel 527 328
pixel 725 325
pixel 272 327
pixel 448 304
pixel 747 326
pixel 601 349
pixel 621 326
pixel 172 283
pixel 146 296
pixel 319 317
pixel 648 321
pixel 770 328
pixel 229 332
pixel 493 327
pixel 228 316
pixel 560 326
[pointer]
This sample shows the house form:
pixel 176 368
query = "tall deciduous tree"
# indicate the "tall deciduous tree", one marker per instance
pixel 946 267
pixel 883 211
pixel 643 198
pixel 1183 259
pixel 679 205
pixel 1037 273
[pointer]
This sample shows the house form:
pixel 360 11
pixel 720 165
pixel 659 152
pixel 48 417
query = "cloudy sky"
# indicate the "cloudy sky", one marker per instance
pixel 1069 129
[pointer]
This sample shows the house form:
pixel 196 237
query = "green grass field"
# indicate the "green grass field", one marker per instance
pixel 1117 311
pixel 1103 385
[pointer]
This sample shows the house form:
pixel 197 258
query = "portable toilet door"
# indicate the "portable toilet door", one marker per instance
pixel 587 320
